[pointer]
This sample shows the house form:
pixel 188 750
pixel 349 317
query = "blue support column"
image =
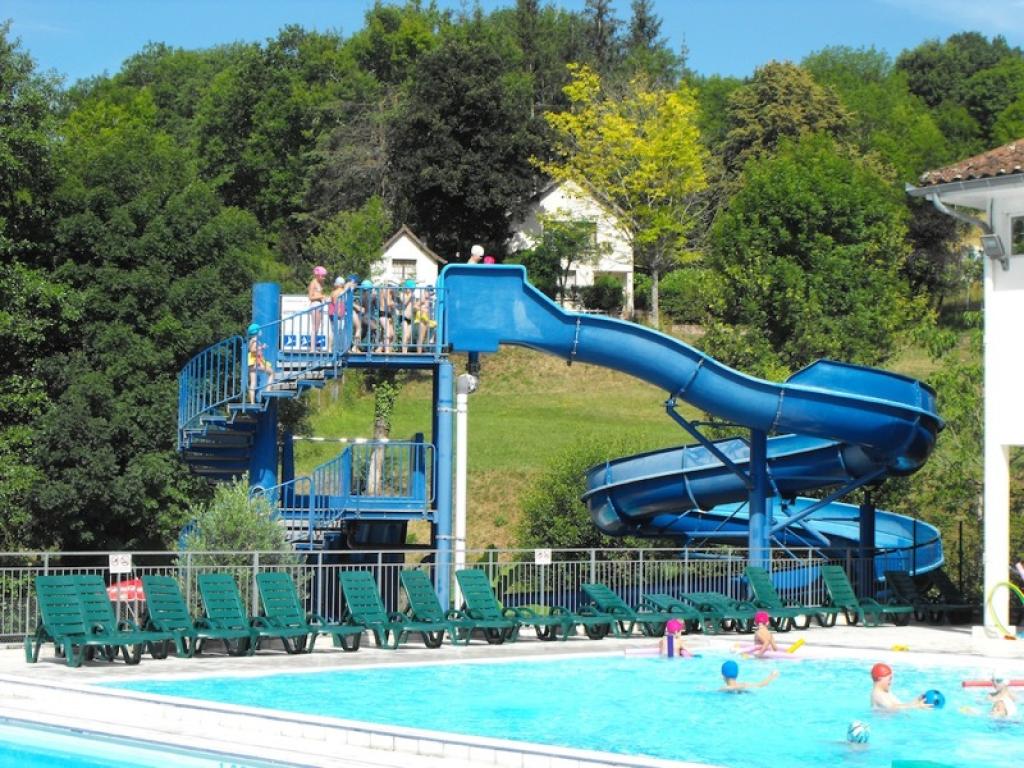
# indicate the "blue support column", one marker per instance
pixel 866 550
pixel 444 445
pixel 266 309
pixel 759 500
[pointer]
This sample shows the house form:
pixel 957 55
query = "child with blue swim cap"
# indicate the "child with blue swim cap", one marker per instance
pixel 731 671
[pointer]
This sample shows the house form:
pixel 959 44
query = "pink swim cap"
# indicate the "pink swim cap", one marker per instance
pixel 488 259
pixel 673 625
pixel 319 271
pixel 761 617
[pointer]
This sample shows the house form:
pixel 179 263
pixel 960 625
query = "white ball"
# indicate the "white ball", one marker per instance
pixel 858 732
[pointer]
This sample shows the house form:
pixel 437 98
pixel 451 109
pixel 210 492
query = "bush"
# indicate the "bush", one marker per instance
pixel 686 294
pixel 604 295
pixel 642 292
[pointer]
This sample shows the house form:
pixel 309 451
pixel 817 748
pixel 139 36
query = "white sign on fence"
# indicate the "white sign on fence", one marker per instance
pixel 121 562
pixel 542 556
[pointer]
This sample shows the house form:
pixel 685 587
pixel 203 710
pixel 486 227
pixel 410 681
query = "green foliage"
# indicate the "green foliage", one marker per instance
pixel 564 245
pixel 350 241
pixel 782 101
pixel 937 71
pixel 1009 125
pixel 688 294
pixel 641 291
pixel 605 294
pixel 234 522
pixel 473 175
pixel 552 513
pixel 810 250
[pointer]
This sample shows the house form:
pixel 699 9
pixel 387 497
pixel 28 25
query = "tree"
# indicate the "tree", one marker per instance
pixel 991 91
pixel 564 245
pixel 350 241
pixel 458 151
pixel 810 250
pixel 601 32
pixel 642 153
pixel 646 51
pixel 938 71
pixel 782 101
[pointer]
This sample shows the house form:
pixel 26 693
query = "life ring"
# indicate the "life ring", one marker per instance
pixel 995 618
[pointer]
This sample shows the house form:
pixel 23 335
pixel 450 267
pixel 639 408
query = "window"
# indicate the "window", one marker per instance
pixel 403 269
pixel 1017 236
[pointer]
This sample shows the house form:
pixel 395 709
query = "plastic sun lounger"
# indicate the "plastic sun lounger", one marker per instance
pixel 98 611
pixel 864 609
pixel 62 622
pixel 364 606
pixel 558 623
pixel 903 588
pixel 224 610
pixel 729 614
pixel 425 606
pixel 669 607
pixel 167 611
pixel 785 615
pixel 282 609
pixel 651 623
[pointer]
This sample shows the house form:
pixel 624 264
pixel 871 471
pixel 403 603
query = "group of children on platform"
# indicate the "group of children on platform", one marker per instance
pixel 1003 703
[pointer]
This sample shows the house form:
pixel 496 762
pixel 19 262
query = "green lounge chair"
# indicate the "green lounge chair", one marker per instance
pixel 669 607
pixel 558 623
pixel 167 611
pixel 903 588
pixel 951 594
pixel 651 623
pixel 424 606
pixel 865 609
pixel 223 608
pixel 282 609
pixel 726 613
pixel 785 615
pixel 62 622
pixel 364 606
pixel 98 611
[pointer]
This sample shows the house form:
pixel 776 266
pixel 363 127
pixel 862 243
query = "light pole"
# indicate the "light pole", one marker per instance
pixel 464 385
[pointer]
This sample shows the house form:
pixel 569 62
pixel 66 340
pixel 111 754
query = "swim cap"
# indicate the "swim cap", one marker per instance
pixel 366 284
pixel 488 259
pixel 674 625
pixel 253 329
pixel 339 280
pixel 998 680
pixel 353 278
pixel 319 271
pixel 880 670
pixel 731 669
pixel 477 250
pixel 761 617
pixel 409 283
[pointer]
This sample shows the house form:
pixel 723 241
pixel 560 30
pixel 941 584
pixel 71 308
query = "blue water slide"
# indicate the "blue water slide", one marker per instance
pixel 835 422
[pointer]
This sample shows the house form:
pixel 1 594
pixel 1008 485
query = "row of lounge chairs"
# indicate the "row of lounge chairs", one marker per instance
pixel 76 614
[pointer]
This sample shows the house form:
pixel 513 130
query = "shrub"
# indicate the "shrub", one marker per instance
pixel 686 294
pixel 604 295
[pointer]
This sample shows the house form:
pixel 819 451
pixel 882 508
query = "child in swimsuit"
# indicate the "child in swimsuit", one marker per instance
pixel 257 362
pixel 1004 704
pixel 764 641
pixel 671 645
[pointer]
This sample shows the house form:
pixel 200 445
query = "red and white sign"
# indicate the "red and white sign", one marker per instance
pixel 126 591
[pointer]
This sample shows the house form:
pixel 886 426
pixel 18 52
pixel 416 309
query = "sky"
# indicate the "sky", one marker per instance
pixel 83 38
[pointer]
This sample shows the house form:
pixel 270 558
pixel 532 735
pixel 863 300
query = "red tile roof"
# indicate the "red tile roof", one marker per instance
pixel 1000 161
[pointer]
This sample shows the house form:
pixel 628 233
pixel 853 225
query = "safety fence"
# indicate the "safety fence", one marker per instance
pixel 520 577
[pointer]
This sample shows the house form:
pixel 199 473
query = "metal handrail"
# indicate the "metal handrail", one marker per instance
pixel 214 377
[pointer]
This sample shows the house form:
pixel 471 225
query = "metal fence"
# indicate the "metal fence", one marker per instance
pixel 520 577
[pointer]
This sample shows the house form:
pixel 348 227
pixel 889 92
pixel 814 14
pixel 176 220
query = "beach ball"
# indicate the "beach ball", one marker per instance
pixel 935 699
pixel 858 732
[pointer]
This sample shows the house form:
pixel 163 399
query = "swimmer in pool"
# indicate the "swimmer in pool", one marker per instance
pixel 731 670
pixel 882 698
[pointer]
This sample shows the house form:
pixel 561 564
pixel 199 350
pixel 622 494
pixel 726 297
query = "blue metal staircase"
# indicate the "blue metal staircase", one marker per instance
pixel 222 403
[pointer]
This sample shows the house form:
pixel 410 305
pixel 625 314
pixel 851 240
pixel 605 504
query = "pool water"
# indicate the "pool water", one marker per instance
pixel 666 708
pixel 31 746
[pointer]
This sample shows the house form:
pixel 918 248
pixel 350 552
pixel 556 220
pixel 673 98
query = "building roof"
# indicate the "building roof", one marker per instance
pixel 1001 161
pixel 406 232
pixel 585 188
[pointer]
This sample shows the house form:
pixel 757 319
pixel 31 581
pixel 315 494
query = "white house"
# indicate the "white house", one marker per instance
pixel 566 200
pixel 405 257
pixel 991 186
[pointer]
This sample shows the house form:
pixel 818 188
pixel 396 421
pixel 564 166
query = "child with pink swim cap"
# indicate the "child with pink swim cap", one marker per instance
pixel 764 641
pixel 671 645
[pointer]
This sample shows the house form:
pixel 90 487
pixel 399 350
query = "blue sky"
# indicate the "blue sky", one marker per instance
pixel 80 38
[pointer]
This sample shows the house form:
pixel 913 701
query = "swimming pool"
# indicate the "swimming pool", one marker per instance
pixel 648 706
pixel 37 746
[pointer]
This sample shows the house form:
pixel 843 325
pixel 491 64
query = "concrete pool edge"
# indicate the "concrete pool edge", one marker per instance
pixel 262 735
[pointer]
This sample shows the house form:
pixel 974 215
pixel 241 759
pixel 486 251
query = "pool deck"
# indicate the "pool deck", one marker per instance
pixel 50 692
